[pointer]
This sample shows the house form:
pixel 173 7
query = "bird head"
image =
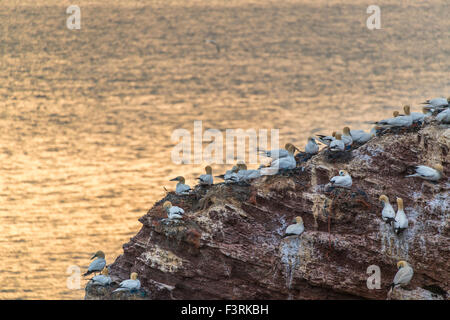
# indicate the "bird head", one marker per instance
pixel 448 100
pixel 425 110
pixel 400 203
pixel 98 254
pixel 338 136
pixel 208 170
pixel 105 271
pixel 439 168
pixel 395 114
pixel 167 205
pixel 343 173
pixel 407 110
pixel 401 264
pixel 333 134
pixel 133 276
pixel 346 131
pixel 241 166
pixel 179 179
pixel 383 198
pixel 291 148
pixel 298 220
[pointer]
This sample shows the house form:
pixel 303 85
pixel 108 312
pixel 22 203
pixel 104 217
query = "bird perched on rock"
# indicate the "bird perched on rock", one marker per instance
pixel 444 116
pixel 98 264
pixel 438 102
pixel 181 187
pixel 360 136
pixel 337 144
pixel 295 229
pixel 311 147
pixel 279 153
pixel 326 139
pixel 173 212
pixel 420 116
pixel 206 179
pixel 343 180
pixel 103 279
pixel 397 121
pixel 403 275
pixel 388 213
pixel 131 284
pixel 347 137
pixel 401 221
pixel 285 163
pixel 230 175
pixel 427 173
pixel 243 174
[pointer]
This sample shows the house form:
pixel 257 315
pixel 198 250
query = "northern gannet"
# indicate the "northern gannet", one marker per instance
pixel 343 180
pixel 388 213
pixel 243 174
pixel 444 116
pixel 311 146
pixel 285 163
pixel 230 175
pixel 337 144
pixel 98 264
pixel 326 139
pixel 131 284
pixel 397 121
pixel 181 187
pixel 173 212
pixel 438 102
pixel 360 136
pixel 295 229
pixel 403 275
pixel 427 173
pixel 401 221
pixel 102 279
pixel 347 137
pixel 206 179
pixel 279 153
pixel 420 117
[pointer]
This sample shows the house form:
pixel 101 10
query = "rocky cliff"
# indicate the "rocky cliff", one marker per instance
pixel 230 246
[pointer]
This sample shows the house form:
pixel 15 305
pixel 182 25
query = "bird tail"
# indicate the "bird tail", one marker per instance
pixel 87 273
pixel 222 176
pixel 412 175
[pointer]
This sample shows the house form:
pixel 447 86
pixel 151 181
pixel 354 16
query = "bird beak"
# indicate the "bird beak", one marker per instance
pixel 94 256
pixel 174 179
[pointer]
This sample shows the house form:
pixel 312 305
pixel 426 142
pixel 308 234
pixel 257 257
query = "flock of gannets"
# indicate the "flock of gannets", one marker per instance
pixel 284 159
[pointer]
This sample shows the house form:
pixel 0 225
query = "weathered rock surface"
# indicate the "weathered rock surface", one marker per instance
pixel 230 245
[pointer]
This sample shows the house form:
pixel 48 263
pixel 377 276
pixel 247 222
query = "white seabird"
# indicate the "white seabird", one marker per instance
pixel 285 163
pixel 343 180
pixel 102 279
pixel 173 212
pixel 206 179
pixel 360 136
pixel 98 264
pixel 388 213
pixel 337 144
pixel 403 275
pixel 295 229
pixel 311 146
pixel 347 137
pixel 230 175
pixel 438 102
pixel 444 116
pixel 243 174
pixel 326 139
pixel 181 187
pixel 427 173
pixel 279 153
pixel 397 121
pixel 401 221
pixel 131 284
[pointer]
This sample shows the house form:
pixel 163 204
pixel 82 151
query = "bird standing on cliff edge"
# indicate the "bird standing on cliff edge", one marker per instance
pixel 337 144
pixel 403 275
pixel 401 221
pixel 438 102
pixel 427 173
pixel 98 264
pixel 173 212
pixel 295 229
pixel 181 187
pixel 311 147
pixel 103 279
pixel 206 179
pixel 131 284
pixel 388 213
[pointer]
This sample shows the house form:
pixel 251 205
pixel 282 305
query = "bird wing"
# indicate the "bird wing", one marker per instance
pixel 403 276
pixel 425 171
pixel 97 265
